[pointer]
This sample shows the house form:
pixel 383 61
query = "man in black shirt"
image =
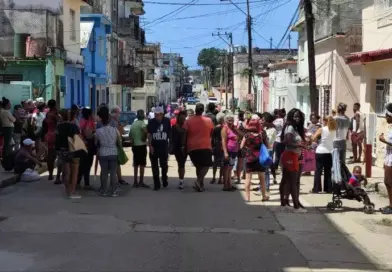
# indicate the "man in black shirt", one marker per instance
pixel 211 113
pixel 159 133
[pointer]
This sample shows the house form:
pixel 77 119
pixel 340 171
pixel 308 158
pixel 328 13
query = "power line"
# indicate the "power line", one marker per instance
pixel 203 4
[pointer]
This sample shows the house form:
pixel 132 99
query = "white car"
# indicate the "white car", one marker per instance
pixel 213 100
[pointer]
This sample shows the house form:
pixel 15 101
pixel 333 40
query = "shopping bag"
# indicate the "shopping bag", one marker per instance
pixel 122 157
pixel 290 161
pixel 309 161
pixel 76 144
pixel 264 156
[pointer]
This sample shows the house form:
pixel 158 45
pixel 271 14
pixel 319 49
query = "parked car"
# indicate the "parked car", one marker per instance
pixel 213 100
pixel 191 100
pixel 127 119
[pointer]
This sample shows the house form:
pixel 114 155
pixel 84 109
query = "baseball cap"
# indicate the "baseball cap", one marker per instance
pixel 158 110
pixel 28 142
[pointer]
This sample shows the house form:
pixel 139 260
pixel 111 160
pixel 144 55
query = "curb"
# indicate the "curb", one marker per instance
pixel 14 179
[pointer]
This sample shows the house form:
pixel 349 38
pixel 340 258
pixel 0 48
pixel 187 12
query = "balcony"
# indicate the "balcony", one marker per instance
pixel 128 26
pixel 88 2
pixel 135 7
pixel 129 77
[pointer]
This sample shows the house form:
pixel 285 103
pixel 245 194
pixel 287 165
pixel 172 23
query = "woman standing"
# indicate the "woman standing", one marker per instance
pixel 267 123
pixel 293 136
pixel 39 118
pixel 217 150
pixel 65 130
pixel 230 146
pixel 278 145
pixel 178 146
pixel 87 130
pixel 252 142
pixel 324 156
pixel 239 166
pixel 107 140
pixel 7 123
pixel 74 119
pixel 49 136
pixel 310 132
pixel 388 159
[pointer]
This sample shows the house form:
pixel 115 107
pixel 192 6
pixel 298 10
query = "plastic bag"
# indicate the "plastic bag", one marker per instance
pixel 264 156
pixel 30 175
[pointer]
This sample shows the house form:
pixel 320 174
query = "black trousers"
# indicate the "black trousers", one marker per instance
pixel 86 162
pixel 159 159
pixel 278 148
pixel 323 163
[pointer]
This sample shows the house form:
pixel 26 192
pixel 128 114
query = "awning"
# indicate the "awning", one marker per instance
pixel 369 56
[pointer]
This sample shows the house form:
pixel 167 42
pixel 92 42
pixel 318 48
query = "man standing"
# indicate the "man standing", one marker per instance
pixel 211 113
pixel 159 133
pixel 342 131
pixel 357 129
pixel 198 134
pixel 138 135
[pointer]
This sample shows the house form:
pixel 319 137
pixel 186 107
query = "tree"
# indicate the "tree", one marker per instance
pixel 211 58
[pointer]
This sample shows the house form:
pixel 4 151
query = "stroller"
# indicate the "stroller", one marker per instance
pixel 342 190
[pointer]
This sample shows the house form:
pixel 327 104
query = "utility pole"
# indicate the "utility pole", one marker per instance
pixel 271 43
pixel 250 61
pixel 289 41
pixel 228 39
pixel 227 81
pixel 309 18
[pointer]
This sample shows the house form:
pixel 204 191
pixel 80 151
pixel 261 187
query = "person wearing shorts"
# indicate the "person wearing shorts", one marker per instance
pixel 178 146
pixel 388 159
pixel 138 136
pixel 230 136
pixel 199 131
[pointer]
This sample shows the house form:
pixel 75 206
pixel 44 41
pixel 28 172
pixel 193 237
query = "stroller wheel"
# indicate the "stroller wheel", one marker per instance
pixel 368 209
pixel 331 206
pixel 338 203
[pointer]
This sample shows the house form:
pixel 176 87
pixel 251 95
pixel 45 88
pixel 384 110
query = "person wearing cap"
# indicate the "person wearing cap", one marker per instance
pixel 159 133
pixel 342 131
pixel 25 157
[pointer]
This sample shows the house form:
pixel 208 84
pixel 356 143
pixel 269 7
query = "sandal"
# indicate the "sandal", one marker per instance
pixel 213 181
pixel 265 199
pixel 143 185
pixel 197 188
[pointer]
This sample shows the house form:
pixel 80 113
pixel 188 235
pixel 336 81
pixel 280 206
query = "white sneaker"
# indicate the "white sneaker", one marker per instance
pixel 300 210
pixel 181 185
pixel 75 196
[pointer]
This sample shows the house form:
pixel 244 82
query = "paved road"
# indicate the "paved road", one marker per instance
pixel 171 230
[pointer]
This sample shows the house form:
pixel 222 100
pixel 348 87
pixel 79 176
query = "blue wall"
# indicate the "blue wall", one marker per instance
pixel 74 88
pixel 94 72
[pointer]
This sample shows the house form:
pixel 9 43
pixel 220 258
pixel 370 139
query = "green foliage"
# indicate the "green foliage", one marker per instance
pixel 211 59
pixel 246 72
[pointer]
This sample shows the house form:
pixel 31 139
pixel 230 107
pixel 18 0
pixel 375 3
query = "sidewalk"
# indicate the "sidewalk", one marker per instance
pixel 10 178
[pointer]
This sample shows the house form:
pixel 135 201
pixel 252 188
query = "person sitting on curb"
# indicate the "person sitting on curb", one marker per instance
pixel 25 158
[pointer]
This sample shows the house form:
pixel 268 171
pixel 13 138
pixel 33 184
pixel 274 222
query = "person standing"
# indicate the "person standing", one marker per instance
pixel 198 134
pixel 178 146
pixel 7 122
pixel 211 107
pixel 159 133
pixel 343 123
pixel 138 136
pixel 357 130
pixel 87 130
pixel 107 140
pixel 278 145
pixel 18 126
pixel 387 140
pixel 217 149
pixel 324 155
pixel 269 128
pixel 65 130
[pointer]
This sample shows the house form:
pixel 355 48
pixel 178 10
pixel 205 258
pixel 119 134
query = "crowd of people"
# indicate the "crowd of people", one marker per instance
pixel 229 144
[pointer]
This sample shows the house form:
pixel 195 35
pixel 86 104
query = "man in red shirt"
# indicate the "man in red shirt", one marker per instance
pixel 173 120
pixel 198 138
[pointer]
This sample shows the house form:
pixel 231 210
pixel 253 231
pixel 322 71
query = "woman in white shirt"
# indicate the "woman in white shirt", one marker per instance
pixel 324 155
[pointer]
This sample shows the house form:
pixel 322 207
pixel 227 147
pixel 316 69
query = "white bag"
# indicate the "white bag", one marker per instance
pixel 30 175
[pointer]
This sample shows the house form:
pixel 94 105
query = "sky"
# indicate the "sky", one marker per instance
pixel 189 29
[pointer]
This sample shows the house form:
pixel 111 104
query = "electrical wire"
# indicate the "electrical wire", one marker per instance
pixel 204 4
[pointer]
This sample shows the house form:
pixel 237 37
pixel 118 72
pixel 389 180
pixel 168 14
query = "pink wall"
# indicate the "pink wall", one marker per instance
pixel 266 94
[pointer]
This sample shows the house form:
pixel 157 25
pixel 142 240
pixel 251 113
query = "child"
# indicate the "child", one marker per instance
pixel 217 149
pixel 355 183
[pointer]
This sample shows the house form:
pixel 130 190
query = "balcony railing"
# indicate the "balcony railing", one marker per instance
pixel 129 77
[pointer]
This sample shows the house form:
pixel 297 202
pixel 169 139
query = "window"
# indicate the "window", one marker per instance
pixel 72 25
pixel 382 94
pixel 381 6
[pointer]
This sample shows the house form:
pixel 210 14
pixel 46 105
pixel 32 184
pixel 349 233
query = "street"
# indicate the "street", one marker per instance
pixel 172 230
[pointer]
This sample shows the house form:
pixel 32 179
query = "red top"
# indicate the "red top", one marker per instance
pixel 173 122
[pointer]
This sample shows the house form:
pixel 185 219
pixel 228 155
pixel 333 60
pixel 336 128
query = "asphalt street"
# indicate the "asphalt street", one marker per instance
pixel 172 230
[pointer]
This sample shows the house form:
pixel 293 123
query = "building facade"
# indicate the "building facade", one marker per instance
pixel 94 29
pixel 375 64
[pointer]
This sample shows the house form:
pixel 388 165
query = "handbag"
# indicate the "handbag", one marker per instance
pixel 122 157
pixel 309 161
pixel 264 156
pixel 76 143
